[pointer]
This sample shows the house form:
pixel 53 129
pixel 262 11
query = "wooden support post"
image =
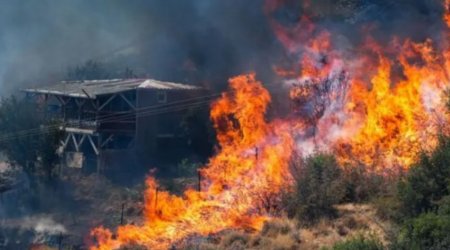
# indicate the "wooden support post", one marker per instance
pixel 99 164
pixel 106 102
pixel 60 241
pixel 199 174
pixel 156 198
pixel 121 214
pixel 131 105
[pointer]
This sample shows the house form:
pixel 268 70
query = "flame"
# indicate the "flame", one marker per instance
pixel 378 107
pixel 251 168
pixel 399 119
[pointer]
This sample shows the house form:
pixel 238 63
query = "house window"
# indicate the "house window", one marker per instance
pixel 161 96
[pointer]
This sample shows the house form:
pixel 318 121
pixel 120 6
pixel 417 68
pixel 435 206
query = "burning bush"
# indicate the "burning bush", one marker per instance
pixel 318 186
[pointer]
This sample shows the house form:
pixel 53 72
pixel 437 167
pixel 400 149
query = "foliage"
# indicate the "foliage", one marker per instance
pixel 91 70
pixel 16 118
pixel 424 195
pixel 318 186
pixel 359 243
pixel 427 181
pixel 427 231
pixel 388 208
pixel 47 148
pixel 362 185
pixel 444 205
pixel 95 70
pixel 26 139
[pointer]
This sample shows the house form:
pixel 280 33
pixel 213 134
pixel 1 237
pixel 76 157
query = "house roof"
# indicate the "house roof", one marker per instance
pixel 93 88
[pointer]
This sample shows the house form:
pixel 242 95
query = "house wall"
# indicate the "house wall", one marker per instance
pixel 158 127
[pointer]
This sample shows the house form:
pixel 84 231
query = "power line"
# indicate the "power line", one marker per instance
pixel 190 103
pixel 147 111
pixel 142 109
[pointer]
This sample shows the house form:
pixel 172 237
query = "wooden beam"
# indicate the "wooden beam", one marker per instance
pixel 107 102
pixel 61 100
pixel 75 142
pixel 107 140
pixel 80 103
pixel 128 102
pixel 79 130
pixel 65 142
pixel 93 145
pixel 82 140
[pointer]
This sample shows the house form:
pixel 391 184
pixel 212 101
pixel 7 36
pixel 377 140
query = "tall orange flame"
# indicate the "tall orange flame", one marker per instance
pixel 387 108
pixel 252 166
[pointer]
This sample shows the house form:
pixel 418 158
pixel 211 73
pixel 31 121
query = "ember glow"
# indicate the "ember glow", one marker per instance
pixel 357 106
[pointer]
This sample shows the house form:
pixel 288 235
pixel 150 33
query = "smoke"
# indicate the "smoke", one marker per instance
pixel 42 225
pixel 199 42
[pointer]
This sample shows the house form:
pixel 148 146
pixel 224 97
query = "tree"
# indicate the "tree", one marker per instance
pixel 26 138
pixel 95 70
pixel 427 231
pixel 319 185
pixel 91 70
pixel 427 181
pixel 425 198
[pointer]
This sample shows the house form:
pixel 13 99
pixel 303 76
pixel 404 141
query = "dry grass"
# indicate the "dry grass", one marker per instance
pixel 284 234
pixel 354 219
pixel 278 234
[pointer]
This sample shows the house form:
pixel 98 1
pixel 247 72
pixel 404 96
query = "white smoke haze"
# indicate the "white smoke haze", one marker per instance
pixel 4 167
pixel 43 227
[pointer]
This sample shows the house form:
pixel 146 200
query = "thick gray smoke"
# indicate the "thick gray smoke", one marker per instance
pixel 201 42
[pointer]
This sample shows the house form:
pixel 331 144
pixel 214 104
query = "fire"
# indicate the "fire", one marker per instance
pixel 378 107
pixel 249 170
pixel 375 105
pixel 398 119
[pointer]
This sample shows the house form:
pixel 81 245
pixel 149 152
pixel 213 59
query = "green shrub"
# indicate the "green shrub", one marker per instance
pixel 388 208
pixel 318 186
pixel 362 185
pixel 425 201
pixel 444 205
pixel 428 231
pixel 427 181
pixel 358 243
